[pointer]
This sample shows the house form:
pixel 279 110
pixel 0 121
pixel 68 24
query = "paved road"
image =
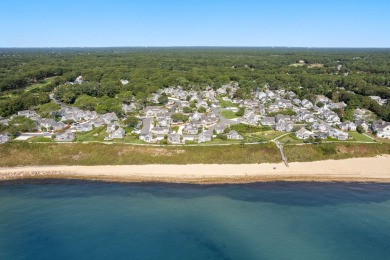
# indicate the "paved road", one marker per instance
pixel 223 120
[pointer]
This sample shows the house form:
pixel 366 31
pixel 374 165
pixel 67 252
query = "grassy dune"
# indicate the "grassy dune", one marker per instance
pixel 23 154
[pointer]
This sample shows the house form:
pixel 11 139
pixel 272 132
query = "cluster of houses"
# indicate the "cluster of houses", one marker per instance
pixel 157 124
pixel 72 120
pixel 201 119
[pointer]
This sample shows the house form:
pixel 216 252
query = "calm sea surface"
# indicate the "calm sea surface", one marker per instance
pixel 89 220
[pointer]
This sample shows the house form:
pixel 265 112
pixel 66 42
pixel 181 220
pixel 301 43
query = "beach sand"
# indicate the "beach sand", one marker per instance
pixel 375 169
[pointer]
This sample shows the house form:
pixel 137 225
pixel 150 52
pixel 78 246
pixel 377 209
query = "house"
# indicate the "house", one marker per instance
pixel 129 107
pixel 340 135
pixel 79 80
pixel 146 126
pixel 284 103
pixel 362 114
pixel 98 122
pixel 362 123
pixel 330 116
pixel 310 119
pixel 46 123
pixel 109 117
pixel 273 107
pixel 27 113
pixel 297 101
pixel 295 118
pixel 319 127
pixel 291 95
pixel 174 138
pixel 124 81
pixel 68 136
pixel 270 121
pixel 204 137
pixel 279 118
pixel 379 100
pixel 83 127
pixel 339 105
pixel 209 94
pixel 160 130
pixel 196 117
pixel 219 129
pixel 307 104
pixel 4 138
pixel 322 99
pixel 117 134
pixel 112 127
pixel 189 138
pixel 322 135
pixel 154 98
pixel 148 138
pixel 152 111
pixel 89 115
pixel 249 103
pixel 381 128
pixel 57 126
pixel 210 119
pixel 284 126
pixel 261 109
pixel 347 126
pixel 191 129
pixel 261 95
pixel 163 122
pixel 202 104
pixel 303 133
pixel 233 135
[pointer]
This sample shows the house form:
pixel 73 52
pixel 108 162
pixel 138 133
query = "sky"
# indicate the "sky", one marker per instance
pixel 112 23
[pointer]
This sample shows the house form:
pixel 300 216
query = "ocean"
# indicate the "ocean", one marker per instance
pixel 58 219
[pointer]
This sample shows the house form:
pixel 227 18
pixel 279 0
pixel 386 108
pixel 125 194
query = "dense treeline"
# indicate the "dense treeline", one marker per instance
pixel 364 72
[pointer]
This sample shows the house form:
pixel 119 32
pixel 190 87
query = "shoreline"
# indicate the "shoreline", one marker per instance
pixel 374 169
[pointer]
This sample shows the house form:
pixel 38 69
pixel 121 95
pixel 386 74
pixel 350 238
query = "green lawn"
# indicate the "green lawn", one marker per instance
pixel 290 139
pixel 226 103
pixel 228 114
pixel 267 135
pixel 360 137
pixel 40 84
pixel 96 134
pixel 40 139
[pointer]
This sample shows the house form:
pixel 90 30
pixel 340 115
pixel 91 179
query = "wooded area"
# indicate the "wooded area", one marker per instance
pixel 349 75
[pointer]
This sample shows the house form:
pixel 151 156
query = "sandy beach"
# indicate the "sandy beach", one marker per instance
pixel 375 169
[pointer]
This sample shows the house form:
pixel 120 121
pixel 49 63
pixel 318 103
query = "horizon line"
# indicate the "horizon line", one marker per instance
pixel 192 46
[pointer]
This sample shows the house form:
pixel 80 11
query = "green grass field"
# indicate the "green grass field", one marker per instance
pixel 39 85
pixel 23 153
pixel 97 134
pixel 228 114
pixel 290 139
pixel 359 137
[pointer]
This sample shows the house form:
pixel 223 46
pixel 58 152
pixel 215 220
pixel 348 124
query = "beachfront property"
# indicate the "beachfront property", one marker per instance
pixel 198 116
pixel 4 138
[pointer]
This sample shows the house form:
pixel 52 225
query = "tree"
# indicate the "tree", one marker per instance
pixel 131 121
pixel 187 110
pixel 85 102
pixel 320 104
pixel 202 109
pixel 360 129
pixel 21 124
pixel 163 99
pixel 240 111
pixel 179 117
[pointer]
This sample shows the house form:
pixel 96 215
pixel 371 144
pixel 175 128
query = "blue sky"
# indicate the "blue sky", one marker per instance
pixel 98 23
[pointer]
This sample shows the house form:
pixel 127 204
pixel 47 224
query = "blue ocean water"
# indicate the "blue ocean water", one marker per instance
pixel 91 220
